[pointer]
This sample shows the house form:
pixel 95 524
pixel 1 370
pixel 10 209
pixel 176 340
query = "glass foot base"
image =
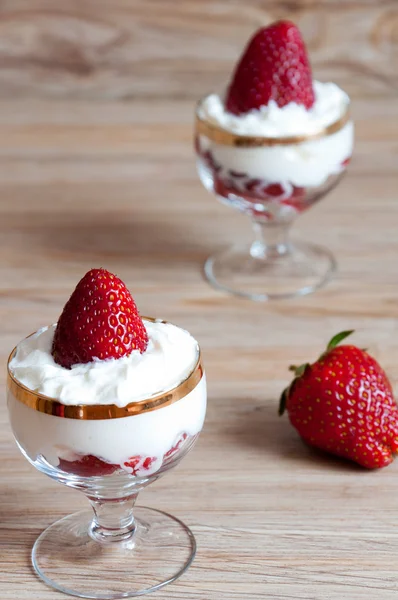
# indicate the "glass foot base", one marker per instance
pixel 282 272
pixel 68 559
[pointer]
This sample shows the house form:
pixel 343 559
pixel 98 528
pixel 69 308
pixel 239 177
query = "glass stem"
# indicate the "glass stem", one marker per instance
pixel 113 520
pixel 271 240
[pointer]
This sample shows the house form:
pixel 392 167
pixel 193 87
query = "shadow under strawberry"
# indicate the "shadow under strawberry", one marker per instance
pixel 259 426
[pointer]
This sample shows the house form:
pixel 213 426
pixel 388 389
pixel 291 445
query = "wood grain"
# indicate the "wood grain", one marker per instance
pixel 96 168
pixel 130 49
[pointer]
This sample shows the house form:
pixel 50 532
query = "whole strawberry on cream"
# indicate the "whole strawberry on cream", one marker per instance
pixel 343 404
pixel 272 94
pixel 101 352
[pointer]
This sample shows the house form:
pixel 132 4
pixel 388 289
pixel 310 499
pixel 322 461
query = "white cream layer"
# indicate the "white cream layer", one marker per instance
pixel 170 357
pixel 306 164
pixel 113 440
pixel 272 121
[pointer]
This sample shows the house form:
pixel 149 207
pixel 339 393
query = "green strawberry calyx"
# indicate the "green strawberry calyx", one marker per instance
pixel 335 341
pixel 301 369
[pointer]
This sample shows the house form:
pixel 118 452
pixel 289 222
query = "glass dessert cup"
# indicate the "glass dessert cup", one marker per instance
pixel 272 181
pixel 110 453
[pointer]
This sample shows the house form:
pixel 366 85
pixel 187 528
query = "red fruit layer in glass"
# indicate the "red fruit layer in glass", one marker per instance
pixel 92 466
pixel 87 466
pixel 229 182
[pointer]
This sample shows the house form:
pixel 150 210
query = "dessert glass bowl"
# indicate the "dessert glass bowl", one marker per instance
pixel 258 177
pixel 115 550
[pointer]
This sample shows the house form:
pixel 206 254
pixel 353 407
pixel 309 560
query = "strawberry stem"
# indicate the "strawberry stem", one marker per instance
pixel 298 371
pixel 338 338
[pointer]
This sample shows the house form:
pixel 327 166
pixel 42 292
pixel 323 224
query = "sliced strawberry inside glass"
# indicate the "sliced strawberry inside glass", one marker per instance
pixel 274 190
pixel 230 182
pixel 87 466
pixel 177 446
pixel 252 186
pixel 138 465
pixel 220 188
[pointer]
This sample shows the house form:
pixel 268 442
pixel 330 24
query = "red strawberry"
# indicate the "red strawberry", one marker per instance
pixel 87 466
pixel 274 190
pixel 296 200
pixel 174 449
pixel 274 66
pixel 100 320
pixel 137 465
pixel 343 403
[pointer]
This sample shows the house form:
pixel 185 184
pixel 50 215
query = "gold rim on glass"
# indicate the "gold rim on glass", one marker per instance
pixel 50 406
pixel 222 136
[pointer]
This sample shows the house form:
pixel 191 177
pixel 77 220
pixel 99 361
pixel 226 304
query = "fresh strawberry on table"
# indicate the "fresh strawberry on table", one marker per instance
pixel 343 404
pixel 100 320
pixel 274 66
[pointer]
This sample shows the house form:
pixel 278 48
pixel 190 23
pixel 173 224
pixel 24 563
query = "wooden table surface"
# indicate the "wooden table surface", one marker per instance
pixel 96 169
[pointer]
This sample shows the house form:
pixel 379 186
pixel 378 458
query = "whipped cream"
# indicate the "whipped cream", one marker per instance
pixel 306 164
pixel 171 355
pixel 272 121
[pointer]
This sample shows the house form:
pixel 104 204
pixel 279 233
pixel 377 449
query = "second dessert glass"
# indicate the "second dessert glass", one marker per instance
pixel 116 550
pixel 258 176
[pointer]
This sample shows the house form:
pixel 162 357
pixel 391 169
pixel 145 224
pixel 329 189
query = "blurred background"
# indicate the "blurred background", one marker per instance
pixel 96 160
pixel 150 49
pixel 97 165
